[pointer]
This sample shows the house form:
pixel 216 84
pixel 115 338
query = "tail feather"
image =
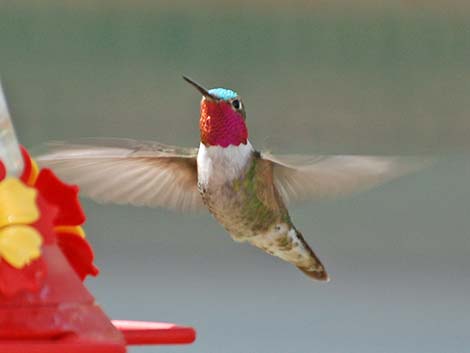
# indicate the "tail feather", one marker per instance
pixel 317 270
pixel 320 275
pixel 287 243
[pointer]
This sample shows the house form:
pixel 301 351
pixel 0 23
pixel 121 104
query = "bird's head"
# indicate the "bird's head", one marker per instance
pixel 222 117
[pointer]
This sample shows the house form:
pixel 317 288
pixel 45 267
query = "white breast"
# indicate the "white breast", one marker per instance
pixel 217 165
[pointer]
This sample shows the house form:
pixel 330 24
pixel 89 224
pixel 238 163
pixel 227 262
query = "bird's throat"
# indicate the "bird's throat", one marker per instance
pixel 221 126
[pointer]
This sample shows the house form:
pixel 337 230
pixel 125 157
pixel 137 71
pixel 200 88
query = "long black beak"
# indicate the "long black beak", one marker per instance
pixel 201 89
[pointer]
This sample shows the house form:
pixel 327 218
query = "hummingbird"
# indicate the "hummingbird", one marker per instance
pixel 247 191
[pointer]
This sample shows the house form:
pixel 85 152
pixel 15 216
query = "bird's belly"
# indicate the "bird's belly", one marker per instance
pixel 228 208
pixel 235 211
pixel 273 235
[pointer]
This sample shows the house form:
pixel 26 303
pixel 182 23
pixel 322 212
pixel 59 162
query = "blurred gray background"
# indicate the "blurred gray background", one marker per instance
pixel 324 77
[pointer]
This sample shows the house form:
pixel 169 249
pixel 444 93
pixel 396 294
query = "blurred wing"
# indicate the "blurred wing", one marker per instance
pixel 123 171
pixel 316 177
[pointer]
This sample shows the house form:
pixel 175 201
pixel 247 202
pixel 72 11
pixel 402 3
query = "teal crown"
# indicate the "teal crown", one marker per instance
pixel 223 93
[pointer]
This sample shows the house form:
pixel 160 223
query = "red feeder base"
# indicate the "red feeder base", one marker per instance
pixel 63 318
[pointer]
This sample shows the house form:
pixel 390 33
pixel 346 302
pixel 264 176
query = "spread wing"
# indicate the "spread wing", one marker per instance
pixel 316 177
pixel 124 171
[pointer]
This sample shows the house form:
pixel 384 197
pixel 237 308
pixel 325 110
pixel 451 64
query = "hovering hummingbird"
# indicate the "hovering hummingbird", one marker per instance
pixel 245 190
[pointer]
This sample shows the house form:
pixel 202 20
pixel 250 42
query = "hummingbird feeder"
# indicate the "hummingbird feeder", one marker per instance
pixel 44 258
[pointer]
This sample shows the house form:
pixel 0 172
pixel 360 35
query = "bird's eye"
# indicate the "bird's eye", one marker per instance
pixel 236 104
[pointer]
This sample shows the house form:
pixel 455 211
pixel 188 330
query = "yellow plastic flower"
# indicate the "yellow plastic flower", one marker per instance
pixel 19 243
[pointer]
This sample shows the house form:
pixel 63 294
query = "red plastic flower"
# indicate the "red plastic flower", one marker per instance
pixel 62 196
pixel 70 216
pixel 36 210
